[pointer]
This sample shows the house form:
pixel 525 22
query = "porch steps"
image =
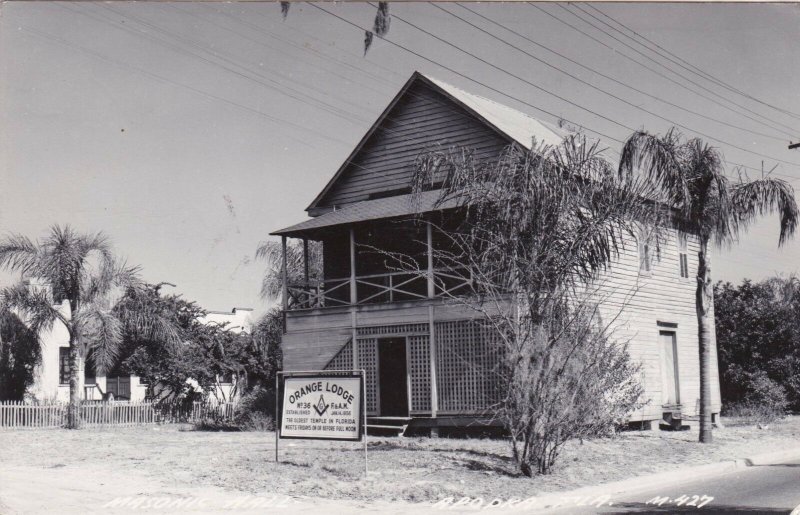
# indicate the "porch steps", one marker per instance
pixel 387 426
pixel 672 419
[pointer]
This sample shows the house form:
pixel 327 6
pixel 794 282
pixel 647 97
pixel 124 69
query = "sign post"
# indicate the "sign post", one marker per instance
pixel 321 405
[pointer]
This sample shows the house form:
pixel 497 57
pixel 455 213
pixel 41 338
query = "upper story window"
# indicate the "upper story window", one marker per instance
pixel 683 254
pixel 648 250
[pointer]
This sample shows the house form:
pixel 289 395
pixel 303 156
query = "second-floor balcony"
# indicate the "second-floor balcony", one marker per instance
pixel 374 252
pixel 397 286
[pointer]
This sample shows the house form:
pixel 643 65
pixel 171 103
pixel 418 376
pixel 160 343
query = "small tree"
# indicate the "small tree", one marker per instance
pixel 81 270
pixel 207 351
pixel 20 352
pixel 537 228
pixel 758 340
pixel 690 177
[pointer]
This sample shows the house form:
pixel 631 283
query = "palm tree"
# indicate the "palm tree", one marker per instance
pixel 79 269
pixel 690 177
pixel 272 253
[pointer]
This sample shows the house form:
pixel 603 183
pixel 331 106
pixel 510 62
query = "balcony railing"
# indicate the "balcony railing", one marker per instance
pixel 379 288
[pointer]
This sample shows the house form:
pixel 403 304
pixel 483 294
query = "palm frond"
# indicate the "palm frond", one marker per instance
pixel 33 304
pixel 100 335
pixel 658 158
pixel 762 196
pixel 272 253
pixel 19 253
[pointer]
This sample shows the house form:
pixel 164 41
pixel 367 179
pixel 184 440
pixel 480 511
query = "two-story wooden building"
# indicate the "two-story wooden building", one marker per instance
pixel 426 361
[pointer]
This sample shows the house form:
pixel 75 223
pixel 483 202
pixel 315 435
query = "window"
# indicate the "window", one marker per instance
pixel 63 365
pixel 683 254
pixel 645 253
pixel 89 373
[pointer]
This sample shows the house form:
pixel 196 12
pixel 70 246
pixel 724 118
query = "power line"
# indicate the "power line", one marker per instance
pixel 663 65
pixel 593 70
pixel 583 107
pixel 60 41
pixel 694 69
pixel 740 165
pixel 484 61
pixel 646 67
pixel 514 98
pixel 270 84
pixel 451 70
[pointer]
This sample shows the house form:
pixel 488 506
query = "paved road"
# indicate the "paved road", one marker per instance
pixel 773 487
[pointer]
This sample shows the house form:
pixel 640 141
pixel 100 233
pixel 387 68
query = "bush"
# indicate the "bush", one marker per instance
pixel 765 402
pixel 567 378
pixel 215 423
pixel 256 410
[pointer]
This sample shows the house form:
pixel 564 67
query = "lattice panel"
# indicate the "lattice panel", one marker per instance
pixel 343 360
pixel 419 360
pixel 380 330
pixel 467 354
pixel 368 360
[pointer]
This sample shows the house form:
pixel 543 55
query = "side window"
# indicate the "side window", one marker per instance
pixel 647 251
pixel 89 373
pixel 63 365
pixel 683 254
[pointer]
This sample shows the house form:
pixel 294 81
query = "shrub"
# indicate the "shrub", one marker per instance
pixel 256 410
pixel 566 379
pixel 764 403
pixel 215 423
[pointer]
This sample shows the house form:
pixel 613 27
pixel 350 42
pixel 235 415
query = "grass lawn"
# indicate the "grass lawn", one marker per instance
pixel 410 469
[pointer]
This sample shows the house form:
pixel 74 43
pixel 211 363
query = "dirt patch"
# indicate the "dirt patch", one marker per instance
pixel 408 469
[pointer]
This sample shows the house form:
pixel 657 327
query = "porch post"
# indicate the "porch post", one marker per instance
pixel 353 297
pixel 432 347
pixel 284 275
pixel 305 259
pixel 353 291
pixel 431 286
pixel 432 326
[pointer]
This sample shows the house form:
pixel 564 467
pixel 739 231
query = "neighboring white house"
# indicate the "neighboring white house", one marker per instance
pixel 51 376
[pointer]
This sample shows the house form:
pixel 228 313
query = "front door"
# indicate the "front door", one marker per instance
pixel 392 377
pixel 670 391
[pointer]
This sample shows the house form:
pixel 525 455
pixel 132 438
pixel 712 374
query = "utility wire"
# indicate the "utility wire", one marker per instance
pixel 740 165
pixel 394 16
pixel 522 79
pixel 656 72
pixel 593 70
pixel 460 74
pixel 242 71
pixel 692 68
pixel 281 122
pixel 663 65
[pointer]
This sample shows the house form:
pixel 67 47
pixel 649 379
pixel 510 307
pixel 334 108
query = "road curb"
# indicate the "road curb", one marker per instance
pixel 664 479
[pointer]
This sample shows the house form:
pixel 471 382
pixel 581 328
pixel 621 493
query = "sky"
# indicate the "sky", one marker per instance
pixel 188 132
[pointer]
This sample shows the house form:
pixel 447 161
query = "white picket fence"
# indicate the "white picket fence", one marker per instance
pixel 18 415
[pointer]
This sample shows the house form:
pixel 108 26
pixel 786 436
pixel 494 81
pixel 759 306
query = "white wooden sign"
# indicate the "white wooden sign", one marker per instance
pixel 325 407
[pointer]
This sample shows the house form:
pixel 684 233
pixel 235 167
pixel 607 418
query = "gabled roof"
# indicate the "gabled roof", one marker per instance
pixel 513 125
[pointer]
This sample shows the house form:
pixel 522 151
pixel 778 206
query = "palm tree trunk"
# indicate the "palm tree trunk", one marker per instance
pixel 703 302
pixel 74 407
